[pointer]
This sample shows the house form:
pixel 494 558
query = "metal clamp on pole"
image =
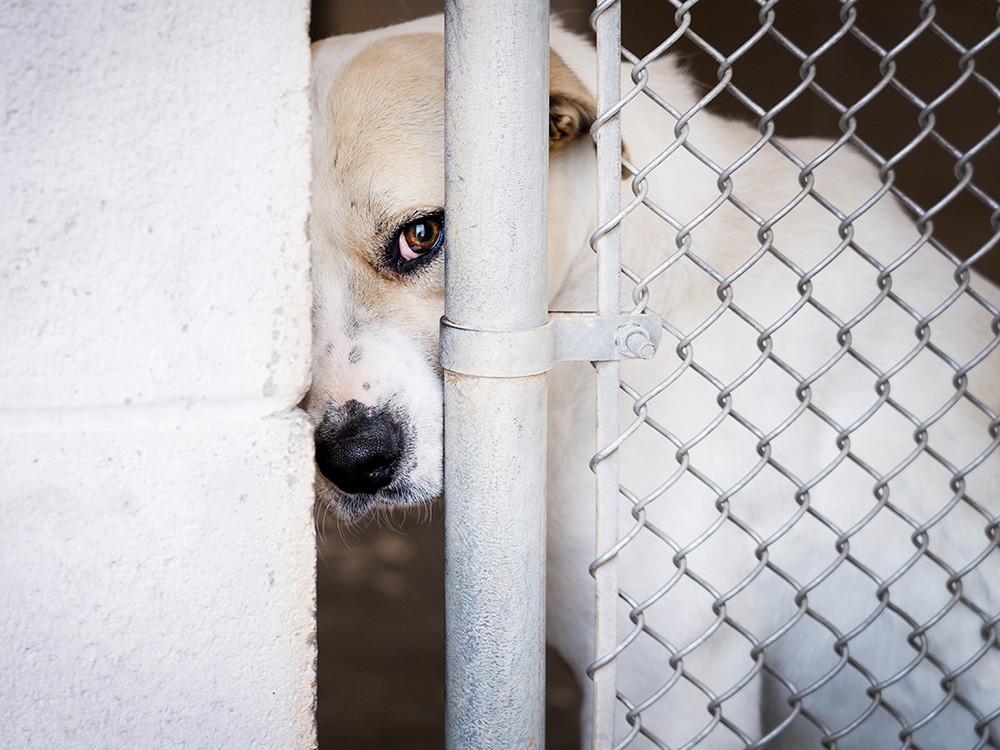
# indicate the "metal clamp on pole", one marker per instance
pixel 567 336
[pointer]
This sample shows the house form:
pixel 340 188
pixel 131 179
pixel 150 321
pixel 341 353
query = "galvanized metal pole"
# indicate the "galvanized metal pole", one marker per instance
pixel 607 22
pixel 495 280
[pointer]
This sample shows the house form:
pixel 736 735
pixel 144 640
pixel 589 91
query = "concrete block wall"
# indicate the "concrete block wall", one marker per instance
pixel 156 536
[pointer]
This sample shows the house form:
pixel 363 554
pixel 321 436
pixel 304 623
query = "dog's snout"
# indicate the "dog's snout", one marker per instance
pixel 361 454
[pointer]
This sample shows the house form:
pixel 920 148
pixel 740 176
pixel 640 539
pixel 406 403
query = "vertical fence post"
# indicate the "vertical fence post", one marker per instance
pixel 607 134
pixel 496 185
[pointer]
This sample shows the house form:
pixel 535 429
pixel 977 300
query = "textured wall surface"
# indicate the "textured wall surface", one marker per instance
pixel 156 545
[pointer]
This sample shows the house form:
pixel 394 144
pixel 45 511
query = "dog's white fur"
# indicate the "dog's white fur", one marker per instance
pixel 378 154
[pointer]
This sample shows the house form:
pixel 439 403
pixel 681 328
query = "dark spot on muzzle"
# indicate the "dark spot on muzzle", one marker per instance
pixel 358 447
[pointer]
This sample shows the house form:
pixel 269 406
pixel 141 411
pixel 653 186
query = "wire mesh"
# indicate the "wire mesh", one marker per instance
pixel 810 487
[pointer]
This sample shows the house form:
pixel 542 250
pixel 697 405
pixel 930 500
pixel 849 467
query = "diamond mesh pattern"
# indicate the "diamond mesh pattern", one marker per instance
pixel 761 440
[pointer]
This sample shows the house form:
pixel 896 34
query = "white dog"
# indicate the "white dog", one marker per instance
pixel 821 563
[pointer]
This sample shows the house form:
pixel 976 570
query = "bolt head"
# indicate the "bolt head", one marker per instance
pixel 634 341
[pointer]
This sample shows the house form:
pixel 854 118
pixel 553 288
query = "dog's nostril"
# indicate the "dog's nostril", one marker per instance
pixel 361 455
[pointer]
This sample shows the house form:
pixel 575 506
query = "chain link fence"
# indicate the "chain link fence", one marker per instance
pixel 806 515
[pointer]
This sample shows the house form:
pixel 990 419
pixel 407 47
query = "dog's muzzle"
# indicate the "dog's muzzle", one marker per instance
pixel 359 448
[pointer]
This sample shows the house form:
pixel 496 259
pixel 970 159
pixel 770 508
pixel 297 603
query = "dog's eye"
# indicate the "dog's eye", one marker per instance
pixel 419 238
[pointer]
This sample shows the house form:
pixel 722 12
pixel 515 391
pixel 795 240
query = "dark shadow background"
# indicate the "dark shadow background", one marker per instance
pixel 380 589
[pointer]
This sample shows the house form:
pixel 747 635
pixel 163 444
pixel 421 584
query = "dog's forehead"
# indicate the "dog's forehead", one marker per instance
pixel 332 54
pixel 386 106
pixel 379 124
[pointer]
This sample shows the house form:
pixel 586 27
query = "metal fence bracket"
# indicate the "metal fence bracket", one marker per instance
pixel 567 336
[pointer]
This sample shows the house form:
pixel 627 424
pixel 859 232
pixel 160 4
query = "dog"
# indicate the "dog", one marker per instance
pixel 814 494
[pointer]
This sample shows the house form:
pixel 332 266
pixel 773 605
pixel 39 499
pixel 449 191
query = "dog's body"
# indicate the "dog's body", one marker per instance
pixel 806 443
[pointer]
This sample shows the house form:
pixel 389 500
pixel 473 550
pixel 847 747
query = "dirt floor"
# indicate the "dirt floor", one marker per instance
pixel 380 601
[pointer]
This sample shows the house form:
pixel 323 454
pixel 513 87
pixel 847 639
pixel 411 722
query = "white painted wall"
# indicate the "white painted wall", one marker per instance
pixel 156 546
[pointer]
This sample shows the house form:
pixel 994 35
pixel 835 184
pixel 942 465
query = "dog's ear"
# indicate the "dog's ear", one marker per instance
pixel 572 108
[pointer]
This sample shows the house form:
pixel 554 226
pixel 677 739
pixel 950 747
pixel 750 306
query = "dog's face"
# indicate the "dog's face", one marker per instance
pixel 379 235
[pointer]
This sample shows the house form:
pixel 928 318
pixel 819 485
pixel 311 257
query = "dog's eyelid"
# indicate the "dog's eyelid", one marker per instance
pixel 417 214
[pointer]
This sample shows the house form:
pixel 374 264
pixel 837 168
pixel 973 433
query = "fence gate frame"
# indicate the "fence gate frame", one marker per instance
pixel 498 340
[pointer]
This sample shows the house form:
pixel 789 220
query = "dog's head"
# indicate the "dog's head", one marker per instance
pixel 378 230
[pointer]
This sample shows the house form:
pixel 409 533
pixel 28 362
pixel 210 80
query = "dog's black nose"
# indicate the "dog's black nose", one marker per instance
pixel 360 454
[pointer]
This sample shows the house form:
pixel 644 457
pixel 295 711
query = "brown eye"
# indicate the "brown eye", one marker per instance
pixel 419 237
